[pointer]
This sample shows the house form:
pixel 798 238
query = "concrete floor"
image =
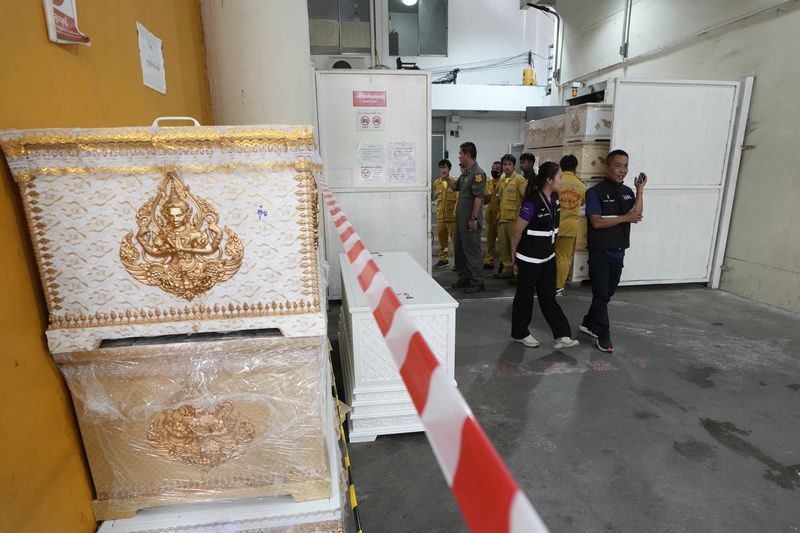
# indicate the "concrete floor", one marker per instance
pixel 693 424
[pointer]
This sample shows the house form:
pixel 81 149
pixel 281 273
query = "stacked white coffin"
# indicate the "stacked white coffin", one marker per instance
pixel 186 311
pixel 585 132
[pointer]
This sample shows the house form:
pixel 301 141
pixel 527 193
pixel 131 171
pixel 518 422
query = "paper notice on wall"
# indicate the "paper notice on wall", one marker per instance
pixel 62 22
pixel 402 167
pixel 355 34
pixel 323 32
pixel 370 163
pixel 370 120
pixel 152 58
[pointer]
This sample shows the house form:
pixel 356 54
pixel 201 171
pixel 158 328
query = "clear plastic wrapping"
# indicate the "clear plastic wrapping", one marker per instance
pixel 203 419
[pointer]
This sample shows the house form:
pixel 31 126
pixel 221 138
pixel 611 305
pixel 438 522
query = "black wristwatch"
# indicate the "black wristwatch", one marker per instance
pixel 474 218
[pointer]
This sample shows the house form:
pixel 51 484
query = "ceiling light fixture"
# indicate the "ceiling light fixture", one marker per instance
pixel 410 2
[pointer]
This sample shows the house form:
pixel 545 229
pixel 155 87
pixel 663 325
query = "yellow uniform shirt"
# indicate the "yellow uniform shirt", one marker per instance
pixel 512 191
pixel 572 197
pixel 492 190
pixel 446 199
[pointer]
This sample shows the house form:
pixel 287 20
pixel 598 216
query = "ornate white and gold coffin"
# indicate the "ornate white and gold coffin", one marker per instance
pixel 589 122
pixel 544 155
pixel 157 231
pixel 240 416
pixel 591 158
pixel 545 132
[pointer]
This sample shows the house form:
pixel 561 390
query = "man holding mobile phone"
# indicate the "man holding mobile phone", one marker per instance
pixel 611 208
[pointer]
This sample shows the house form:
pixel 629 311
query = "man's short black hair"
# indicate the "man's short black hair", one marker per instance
pixel 568 163
pixel 469 149
pixel 509 157
pixel 614 153
pixel 446 162
pixel 496 163
pixel 527 156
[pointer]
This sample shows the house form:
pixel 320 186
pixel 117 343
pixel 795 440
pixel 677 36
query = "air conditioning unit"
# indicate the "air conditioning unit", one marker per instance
pixel 328 62
pixel 523 4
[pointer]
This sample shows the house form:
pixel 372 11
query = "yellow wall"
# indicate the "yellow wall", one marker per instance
pixel 44 483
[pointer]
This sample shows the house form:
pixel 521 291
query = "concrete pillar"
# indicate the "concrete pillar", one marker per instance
pixel 259 61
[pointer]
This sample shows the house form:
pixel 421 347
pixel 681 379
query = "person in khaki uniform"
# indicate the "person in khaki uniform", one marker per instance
pixel 572 196
pixel 446 199
pixel 492 206
pixel 471 186
pixel 511 191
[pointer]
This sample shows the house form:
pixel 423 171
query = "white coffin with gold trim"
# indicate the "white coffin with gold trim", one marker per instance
pixel 545 132
pixel 158 231
pixel 589 122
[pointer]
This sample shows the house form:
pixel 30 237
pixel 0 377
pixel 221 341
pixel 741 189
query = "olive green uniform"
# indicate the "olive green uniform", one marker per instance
pixel 469 260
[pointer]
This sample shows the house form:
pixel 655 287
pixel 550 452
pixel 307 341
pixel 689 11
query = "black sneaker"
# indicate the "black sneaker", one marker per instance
pixel 472 289
pixel 605 345
pixel 441 264
pixel 460 284
pixel 560 292
pixel 487 266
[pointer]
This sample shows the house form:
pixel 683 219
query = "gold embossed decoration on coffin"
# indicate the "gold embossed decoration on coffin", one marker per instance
pixel 201 437
pixel 84 191
pixel 180 242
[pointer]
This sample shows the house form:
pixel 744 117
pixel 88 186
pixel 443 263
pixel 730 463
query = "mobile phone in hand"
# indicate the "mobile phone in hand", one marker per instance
pixel 641 178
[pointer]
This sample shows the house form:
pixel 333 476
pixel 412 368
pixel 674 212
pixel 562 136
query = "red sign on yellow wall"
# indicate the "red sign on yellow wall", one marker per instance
pixel 62 22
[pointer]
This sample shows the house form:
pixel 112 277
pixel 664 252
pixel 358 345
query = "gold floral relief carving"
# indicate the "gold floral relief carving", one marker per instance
pixel 201 437
pixel 178 246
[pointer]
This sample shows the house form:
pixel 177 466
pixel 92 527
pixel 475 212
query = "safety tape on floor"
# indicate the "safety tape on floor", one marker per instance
pixel 351 486
pixel 489 497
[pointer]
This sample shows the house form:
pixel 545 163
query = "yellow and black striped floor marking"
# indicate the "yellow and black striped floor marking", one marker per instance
pixel 351 487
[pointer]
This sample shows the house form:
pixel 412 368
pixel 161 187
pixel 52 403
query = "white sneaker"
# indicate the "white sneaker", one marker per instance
pixel 528 341
pixel 565 342
pixel 589 332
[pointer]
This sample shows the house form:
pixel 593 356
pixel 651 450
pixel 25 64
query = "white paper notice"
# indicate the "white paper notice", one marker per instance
pixel 370 163
pixel 152 58
pixel 402 163
pixel 370 120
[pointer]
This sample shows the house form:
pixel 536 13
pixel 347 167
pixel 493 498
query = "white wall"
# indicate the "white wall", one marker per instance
pixel 491 136
pixel 480 30
pixel 486 97
pixel 763 249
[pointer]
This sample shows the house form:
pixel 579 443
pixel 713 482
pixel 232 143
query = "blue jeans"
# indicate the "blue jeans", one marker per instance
pixel 604 275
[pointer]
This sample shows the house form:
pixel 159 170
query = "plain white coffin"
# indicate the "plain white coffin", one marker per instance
pixel 373 387
pixel 589 122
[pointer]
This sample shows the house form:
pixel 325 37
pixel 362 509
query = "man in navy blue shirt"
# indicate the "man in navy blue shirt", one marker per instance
pixel 611 208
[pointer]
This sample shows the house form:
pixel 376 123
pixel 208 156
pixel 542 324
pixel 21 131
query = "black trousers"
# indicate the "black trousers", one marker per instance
pixel 542 278
pixel 604 274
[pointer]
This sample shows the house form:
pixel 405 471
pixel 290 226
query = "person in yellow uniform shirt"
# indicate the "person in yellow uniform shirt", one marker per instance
pixel 572 196
pixel 446 199
pixel 491 216
pixel 511 191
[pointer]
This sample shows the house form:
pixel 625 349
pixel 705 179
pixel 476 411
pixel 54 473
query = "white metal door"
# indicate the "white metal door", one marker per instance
pixel 389 214
pixel 679 133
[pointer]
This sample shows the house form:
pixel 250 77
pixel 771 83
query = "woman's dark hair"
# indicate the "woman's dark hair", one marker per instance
pixel 547 170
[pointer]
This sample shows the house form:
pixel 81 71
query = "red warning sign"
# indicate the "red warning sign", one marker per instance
pixel 369 98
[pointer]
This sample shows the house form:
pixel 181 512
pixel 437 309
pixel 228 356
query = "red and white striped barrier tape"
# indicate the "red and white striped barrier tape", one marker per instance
pixel 489 497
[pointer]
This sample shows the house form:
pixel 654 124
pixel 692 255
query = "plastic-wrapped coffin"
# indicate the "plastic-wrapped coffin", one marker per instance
pixel 158 231
pixel 200 419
